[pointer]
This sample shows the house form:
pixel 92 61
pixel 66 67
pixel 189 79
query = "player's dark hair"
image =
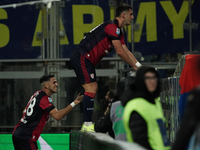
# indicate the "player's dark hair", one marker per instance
pixel 111 94
pixel 45 78
pixel 121 8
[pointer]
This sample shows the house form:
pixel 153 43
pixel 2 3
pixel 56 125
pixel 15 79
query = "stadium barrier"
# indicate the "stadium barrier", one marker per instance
pixel 169 96
pixel 98 141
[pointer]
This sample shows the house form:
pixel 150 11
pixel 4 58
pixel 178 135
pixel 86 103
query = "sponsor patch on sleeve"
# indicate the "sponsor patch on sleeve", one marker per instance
pixel 117 31
pixel 50 100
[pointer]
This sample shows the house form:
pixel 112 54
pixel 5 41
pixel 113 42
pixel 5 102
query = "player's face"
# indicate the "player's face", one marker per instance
pixel 53 85
pixel 128 17
pixel 151 81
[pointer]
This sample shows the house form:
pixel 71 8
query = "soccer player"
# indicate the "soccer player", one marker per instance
pixel 36 114
pixel 92 48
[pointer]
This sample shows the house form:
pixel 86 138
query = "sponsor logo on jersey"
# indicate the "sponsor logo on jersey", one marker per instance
pixel 50 100
pixel 92 75
pixel 117 31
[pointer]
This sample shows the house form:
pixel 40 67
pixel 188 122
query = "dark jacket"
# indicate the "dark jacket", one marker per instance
pixel 104 123
pixel 137 124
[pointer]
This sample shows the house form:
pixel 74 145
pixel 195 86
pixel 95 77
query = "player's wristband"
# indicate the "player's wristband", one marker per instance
pixel 73 104
pixel 138 64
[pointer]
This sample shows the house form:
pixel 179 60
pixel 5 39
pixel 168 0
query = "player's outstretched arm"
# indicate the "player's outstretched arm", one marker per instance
pixel 78 99
pixel 59 114
pixel 124 54
pixel 132 57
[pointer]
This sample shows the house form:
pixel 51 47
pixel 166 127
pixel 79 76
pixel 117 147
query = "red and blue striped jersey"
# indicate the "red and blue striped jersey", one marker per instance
pixel 98 42
pixel 35 116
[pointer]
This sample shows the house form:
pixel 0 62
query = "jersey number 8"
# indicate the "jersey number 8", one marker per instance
pixel 30 107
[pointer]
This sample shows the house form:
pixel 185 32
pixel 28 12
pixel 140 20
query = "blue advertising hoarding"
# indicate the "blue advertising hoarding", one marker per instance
pixel 161 26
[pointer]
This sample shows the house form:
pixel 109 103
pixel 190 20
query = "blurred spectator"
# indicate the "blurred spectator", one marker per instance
pixel 109 96
pixel 100 105
pixel 189 132
pixel 143 115
pixel 111 121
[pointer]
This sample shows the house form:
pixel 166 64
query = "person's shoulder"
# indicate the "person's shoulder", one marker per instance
pixel 116 102
pixel 41 95
pixel 111 23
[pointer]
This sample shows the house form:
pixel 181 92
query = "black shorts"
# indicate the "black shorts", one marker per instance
pixel 24 144
pixel 83 67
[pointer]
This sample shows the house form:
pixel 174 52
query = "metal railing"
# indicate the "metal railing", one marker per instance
pixel 169 96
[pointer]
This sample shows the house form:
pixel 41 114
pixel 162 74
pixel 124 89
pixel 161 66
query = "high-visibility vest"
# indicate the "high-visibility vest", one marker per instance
pixel 153 115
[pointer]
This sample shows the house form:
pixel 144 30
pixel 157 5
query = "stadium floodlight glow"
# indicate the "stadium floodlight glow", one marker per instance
pixel 47 2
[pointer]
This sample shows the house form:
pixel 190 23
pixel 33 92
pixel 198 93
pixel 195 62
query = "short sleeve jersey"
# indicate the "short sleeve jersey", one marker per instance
pixel 98 42
pixel 35 116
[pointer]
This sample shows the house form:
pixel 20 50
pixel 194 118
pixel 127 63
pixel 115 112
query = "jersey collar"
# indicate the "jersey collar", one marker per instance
pixel 116 22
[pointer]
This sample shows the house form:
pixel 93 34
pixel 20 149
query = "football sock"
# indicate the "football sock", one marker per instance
pixel 88 106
